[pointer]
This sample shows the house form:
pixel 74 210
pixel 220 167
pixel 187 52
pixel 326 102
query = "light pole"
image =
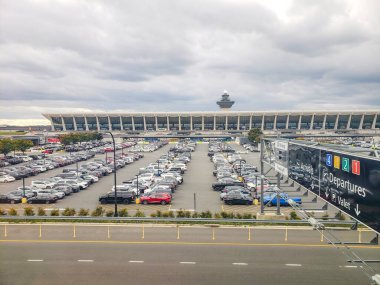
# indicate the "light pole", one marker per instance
pixel 24 200
pixel 158 172
pixel 114 171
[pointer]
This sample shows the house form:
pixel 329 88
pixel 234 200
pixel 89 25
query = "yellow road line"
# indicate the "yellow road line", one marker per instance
pixel 186 243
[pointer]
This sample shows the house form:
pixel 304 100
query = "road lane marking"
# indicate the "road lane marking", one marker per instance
pixel 35 260
pixel 240 263
pixel 187 262
pixel 85 260
pixel 293 264
pixel 350 266
pixel 136 261
pixel 188 243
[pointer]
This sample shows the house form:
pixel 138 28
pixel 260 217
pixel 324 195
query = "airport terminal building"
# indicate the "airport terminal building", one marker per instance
pixel 217 121
pixel 222 120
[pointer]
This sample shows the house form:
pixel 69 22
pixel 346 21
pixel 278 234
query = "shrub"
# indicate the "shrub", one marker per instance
pixel 28 211
pixel 2 212
pixel 99 211
pixel 139 214
pixel 187 214
pixel 153 215
pixel 168 214
pixel 227 215
pixel 68 212
pixel 206 215
pixel 109 213
pixel 294 216
pixel 158 214
pixel 12 212
pixel 180 214
pixel 339 215
pixel 247 216
pixel 123 213
pixel 54 212
pixel 217 216
pixel 325 217
pixel 195 215
pixel 83 212
pixel 41 211
pixel 238 216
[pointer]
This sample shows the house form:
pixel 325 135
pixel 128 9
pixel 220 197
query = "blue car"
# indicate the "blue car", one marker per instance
pixel 271 200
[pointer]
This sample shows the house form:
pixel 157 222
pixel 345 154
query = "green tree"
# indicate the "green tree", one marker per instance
pixel 23 145
pixel 6 146
pixel 254 135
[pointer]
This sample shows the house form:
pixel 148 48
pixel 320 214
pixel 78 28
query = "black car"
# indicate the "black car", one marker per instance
pixel 122 197
pixel 8 198
pixel 42 199
pixel 220 185
pixel 237 198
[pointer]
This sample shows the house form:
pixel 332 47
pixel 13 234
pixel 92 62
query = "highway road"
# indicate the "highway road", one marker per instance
pixel 146 263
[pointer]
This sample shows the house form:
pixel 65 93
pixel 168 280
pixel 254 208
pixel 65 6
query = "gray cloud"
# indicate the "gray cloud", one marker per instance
pixel 171 55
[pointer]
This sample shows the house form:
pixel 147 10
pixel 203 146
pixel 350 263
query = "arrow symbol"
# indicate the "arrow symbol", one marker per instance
pixel 357 210
pixel 327 194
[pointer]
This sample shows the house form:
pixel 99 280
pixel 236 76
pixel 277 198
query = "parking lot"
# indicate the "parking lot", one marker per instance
pixel 195 194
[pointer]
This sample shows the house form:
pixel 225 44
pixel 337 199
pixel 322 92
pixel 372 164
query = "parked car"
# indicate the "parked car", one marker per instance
pixel 42 184
pixel 271 200
pixel 42 198
pixel 6 178
pixel 156 198
pixel 237 198
pixel 9 198
pixel 123 197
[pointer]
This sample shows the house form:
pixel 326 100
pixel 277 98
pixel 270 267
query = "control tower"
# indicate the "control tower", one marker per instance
pixel 225 103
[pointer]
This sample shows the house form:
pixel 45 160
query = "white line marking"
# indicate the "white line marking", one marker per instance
pixel 136 261
pixel 85 260
pixel 187 262
pixel 350 266
pixel 293 264
pixel 35 260
pixel 240 263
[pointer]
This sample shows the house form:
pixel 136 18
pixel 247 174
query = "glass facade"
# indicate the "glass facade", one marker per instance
pixel 197 123
pixel 244 122
pixel 185 123
pixel 69 123
pixel 81 126
pixel 127 123
pixel 306 122
pixel 343 121
pixel 220 122
pixel 115 123
pixel 355 121
pixel 330 122
pixel 268 122
pixel 209 123
pixel 232 123
pixel 162 123
pixel 367 122
pixel 150 123
pixel 318 122
pixel 281 122
pixel 257 122
pixel 174 123
pixel 139 123
pixel 57 123
pixel 293 122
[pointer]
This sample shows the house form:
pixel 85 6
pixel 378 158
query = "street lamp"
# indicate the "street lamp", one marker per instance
pixel 114 171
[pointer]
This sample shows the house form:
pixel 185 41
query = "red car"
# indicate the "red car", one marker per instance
pixel 159 198
pixel 108 149
pixel 47 151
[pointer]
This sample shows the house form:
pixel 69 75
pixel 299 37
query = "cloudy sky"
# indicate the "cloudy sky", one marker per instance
pixel 172 55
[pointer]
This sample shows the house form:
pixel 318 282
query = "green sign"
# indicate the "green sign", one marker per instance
pixel 346 164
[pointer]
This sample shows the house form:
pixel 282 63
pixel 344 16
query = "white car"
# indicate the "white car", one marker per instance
pixel 6 178
pixel 41 184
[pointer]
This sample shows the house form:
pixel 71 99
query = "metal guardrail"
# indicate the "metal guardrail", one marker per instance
pixel 166 220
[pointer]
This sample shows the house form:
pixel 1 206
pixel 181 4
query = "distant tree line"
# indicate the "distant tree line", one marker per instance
pixel 7 145
pixel 79 137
